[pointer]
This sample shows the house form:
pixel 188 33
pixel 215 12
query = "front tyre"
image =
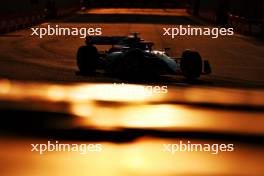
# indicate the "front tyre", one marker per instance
pixel 191 64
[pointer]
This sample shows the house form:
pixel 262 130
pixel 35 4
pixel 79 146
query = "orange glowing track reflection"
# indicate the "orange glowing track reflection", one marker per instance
pixel 142 157
pixel 108 106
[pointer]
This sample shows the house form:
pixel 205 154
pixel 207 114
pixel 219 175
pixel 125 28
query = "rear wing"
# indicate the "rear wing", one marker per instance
pixel 105 40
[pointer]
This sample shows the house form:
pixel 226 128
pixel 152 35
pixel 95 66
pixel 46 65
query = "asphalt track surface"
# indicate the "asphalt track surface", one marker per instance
pixel 237 61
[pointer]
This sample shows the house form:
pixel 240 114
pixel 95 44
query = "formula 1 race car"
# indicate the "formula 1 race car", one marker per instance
pixel 130 57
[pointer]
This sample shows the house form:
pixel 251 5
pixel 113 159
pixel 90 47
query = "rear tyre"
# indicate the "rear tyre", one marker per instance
pixel 191 64
pixel 86 63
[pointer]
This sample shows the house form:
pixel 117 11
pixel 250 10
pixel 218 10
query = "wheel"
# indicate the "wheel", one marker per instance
pixel 87 58
pixel 191 64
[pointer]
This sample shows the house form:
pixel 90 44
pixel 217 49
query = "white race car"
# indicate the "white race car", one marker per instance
pixel 130 57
